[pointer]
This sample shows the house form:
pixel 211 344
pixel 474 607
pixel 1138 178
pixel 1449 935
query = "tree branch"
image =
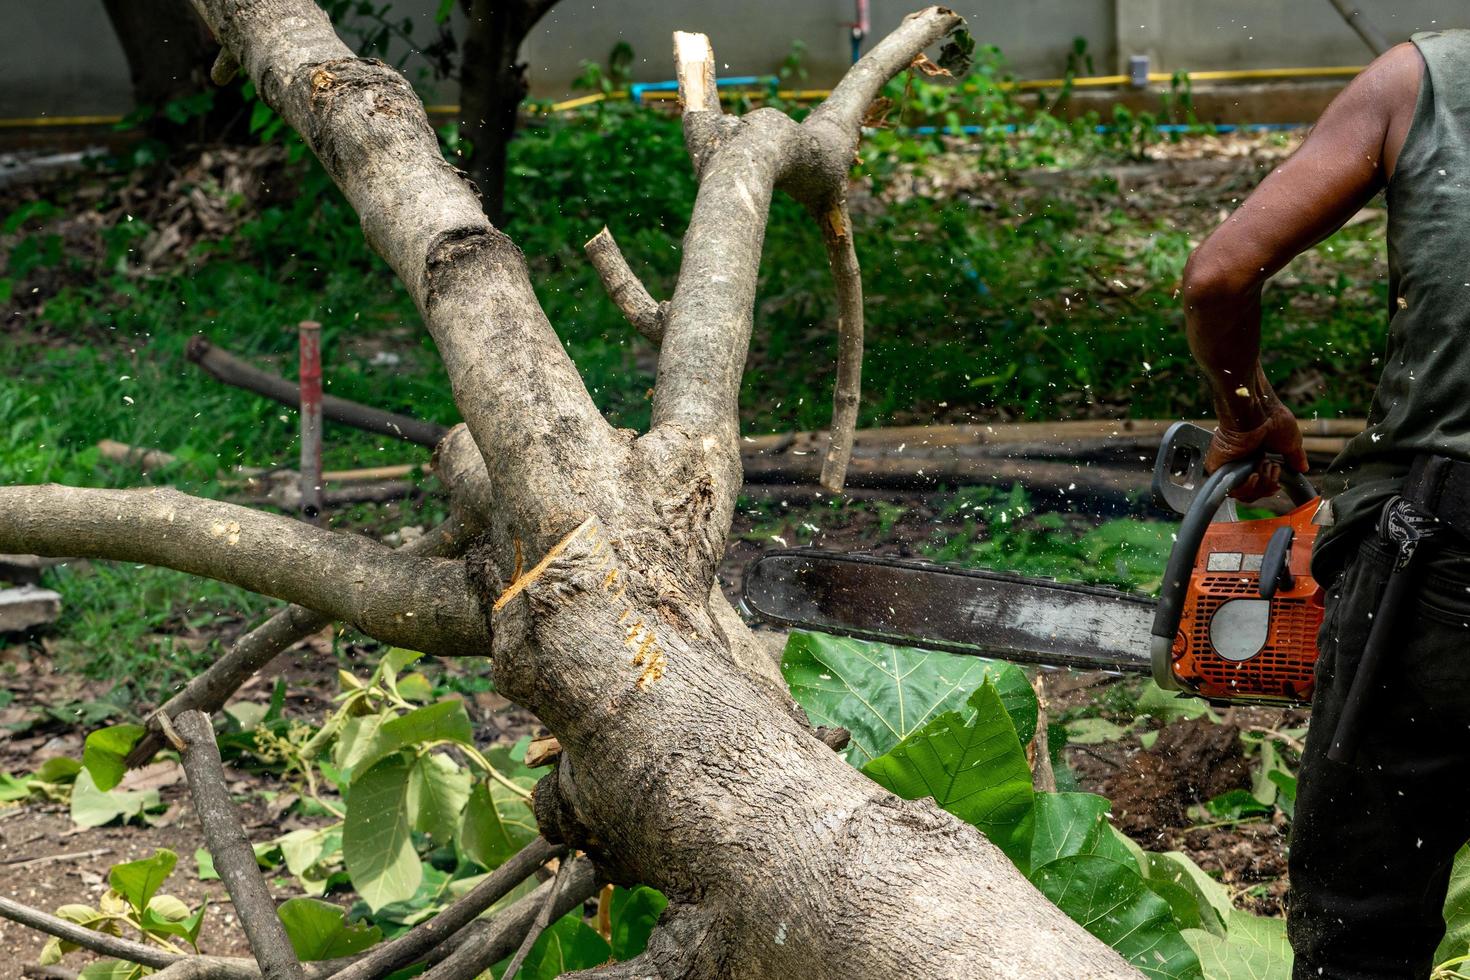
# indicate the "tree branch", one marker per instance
pixel 845 107
pixel 413 945
pixel 420 603
pixel 543 917
pixel 225 367
pixel 234 858
pixel 628 294
pixel 208 692
pixel 537 427
pixel 485 944
pixel 97 942
pixel 836 226
pixel 1362 26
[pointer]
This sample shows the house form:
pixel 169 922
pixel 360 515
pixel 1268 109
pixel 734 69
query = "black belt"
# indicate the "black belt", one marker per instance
pixel 1435 499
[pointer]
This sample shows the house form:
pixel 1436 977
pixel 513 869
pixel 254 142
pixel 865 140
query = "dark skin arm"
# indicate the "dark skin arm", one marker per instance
pixel 1347 158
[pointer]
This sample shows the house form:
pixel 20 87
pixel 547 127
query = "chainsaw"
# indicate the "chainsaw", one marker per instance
pixel 1235 621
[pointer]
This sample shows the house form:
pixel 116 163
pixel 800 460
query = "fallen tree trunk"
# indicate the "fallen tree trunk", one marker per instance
pixel 685 765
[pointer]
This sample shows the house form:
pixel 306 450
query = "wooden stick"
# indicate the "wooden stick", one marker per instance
pixel 15 864
pixel 543 917
pixel 623 287
pixel 234 858
pixel 847 390
pixel 223 366
pixel 1363 27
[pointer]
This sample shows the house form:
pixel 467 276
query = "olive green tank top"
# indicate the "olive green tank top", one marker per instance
pixel 1422 405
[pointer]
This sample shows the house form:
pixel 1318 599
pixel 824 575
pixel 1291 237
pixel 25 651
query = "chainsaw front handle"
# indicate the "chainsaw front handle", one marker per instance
pixel 1203 505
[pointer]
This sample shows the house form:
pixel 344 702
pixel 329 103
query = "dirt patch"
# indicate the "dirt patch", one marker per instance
pixel 1192 761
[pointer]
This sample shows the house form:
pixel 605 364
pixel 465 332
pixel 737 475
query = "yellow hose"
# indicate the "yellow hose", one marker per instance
pixel 807 95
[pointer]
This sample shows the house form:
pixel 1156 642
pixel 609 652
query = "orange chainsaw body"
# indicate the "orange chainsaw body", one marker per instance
pixel 1233 645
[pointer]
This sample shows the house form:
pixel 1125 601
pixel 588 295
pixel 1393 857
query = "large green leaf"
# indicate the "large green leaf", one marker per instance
pixel 567 944
pixel 104 751
pixel 1174 871
pixel 305 846
pixel 111 970
pixel 884 693
pixel 634 914
pixel 320 930
pixel 138 881
pixel 1111 901
pixel 1254 948
pixel 1456 940
pixel 91 807
pixel 437 792
pixel 1073 823
pixel 495 825
pixel 975 769
pixel 440 722
pixel 376 843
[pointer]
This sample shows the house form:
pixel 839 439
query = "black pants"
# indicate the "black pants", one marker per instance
pixel 1372 842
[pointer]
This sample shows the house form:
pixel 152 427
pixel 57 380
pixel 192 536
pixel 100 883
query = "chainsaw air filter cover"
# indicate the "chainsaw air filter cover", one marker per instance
pixel 1248 628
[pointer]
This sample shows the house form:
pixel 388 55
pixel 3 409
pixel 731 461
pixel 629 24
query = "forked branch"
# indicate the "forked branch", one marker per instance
pixel 420 603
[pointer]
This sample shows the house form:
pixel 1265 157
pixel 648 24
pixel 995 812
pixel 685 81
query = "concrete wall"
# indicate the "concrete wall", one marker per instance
pixel 59 57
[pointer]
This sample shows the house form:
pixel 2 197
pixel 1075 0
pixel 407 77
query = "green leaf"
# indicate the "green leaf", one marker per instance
pixel 90 807
pixel 1167 706
pixel 104 751
pixel 204 861
pixel 301 849
pixel 975 770
pixel 1178 870
pixel 884 693
pixel 376 843
pixel 1111 901
pixel 137 881
pixel 437 792
pixel 444 721
pixel 58 770
pixel 567 944
pixel 170 916
pixel 495 825
pixel 1073 823
pixel 1093 731
pixel 1456 940
pixel 320 930
pixel 12 789
pixel 111 970
pixel 1254 948
pixel 633 915
pixel 1285 791
pixel 1236 804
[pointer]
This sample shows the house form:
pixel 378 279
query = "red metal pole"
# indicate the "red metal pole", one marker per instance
pixel 310 333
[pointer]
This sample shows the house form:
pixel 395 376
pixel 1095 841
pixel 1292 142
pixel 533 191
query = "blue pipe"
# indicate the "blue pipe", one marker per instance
pixel 636 90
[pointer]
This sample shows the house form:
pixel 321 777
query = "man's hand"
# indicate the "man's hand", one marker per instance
pixel 1278 434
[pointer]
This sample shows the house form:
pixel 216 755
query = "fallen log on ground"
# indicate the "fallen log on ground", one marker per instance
pixel 223 366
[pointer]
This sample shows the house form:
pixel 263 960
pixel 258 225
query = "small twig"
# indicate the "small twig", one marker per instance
pixel 1280 736
pixel 97 942
pixel 543 918
pixel 475 949
pixel 234 858
pixel 15 864
pixel 408 948
pixel 1363 27
pixel 847 392
pixel 628 294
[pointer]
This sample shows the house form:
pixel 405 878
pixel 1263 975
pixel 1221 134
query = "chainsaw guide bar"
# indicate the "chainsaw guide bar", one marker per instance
pixel 958 610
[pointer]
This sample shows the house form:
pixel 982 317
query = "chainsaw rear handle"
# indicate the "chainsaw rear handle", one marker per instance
pixel 1203 503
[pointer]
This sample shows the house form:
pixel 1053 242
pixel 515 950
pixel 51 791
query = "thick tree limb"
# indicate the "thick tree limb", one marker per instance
pixel 223 366
pixel 413 945
pixel 420 603
pixel 97 942
pixel 234 858
pixel 517 389
pixel 847 392
pixel 628 294
pixel 487 943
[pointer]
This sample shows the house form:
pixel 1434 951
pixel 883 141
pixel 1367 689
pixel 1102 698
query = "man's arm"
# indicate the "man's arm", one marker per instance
pixel 1346 159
